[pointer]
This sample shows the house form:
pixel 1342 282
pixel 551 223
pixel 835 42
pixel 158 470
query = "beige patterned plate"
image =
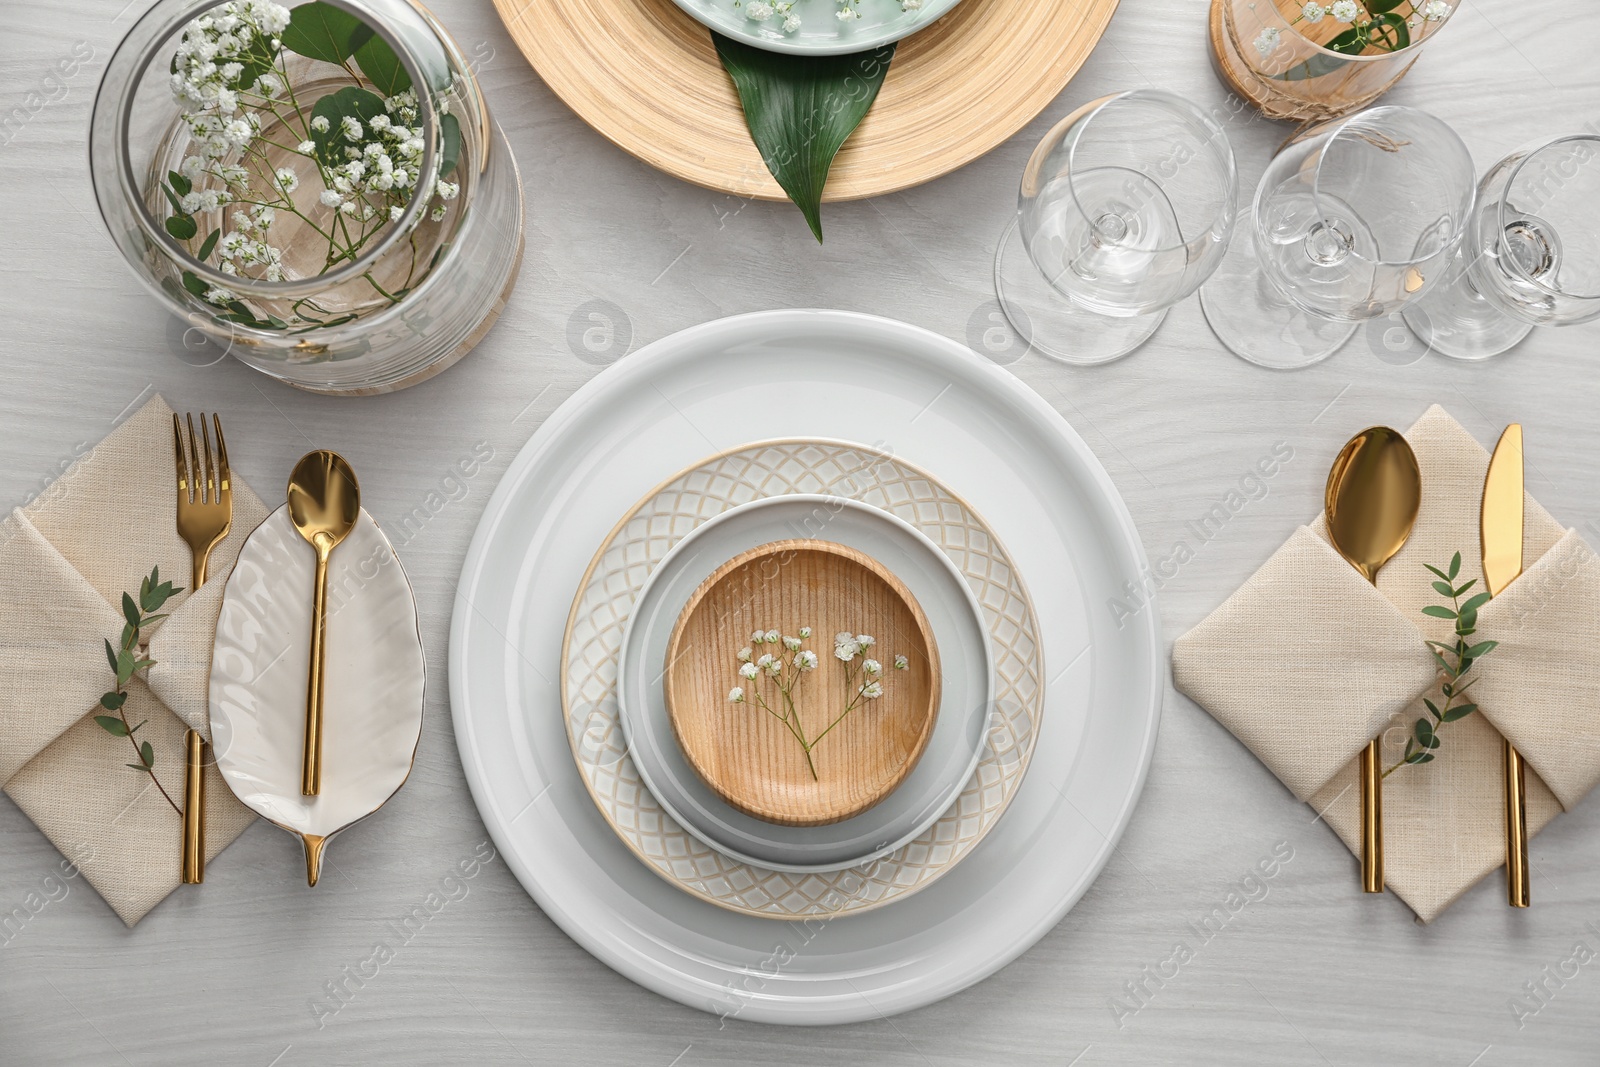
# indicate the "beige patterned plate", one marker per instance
pixel 605 600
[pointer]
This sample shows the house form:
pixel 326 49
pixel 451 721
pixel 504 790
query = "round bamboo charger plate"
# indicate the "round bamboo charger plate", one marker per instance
pixel 645 74
pixel 744 753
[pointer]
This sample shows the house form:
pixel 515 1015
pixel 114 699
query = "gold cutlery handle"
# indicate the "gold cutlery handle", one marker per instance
pixel 1371 819
pixel 1516 830
pixel 193 864
pixel 311 759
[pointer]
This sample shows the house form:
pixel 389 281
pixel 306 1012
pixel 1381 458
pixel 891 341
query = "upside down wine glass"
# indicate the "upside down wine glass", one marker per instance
pixel 1531 256
pixel 1352 220
pixel 1126 206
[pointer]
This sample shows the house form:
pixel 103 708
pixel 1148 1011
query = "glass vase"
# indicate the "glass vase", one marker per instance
pixel 1309 62
pixel 317 188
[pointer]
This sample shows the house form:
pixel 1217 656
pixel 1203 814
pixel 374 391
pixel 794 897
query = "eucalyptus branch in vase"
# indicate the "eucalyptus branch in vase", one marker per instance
pixel 1384 25
pixel 1455 660
pixel 126 661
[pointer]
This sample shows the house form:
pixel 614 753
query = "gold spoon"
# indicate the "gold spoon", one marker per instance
pixel 324 500
pixel 1374 492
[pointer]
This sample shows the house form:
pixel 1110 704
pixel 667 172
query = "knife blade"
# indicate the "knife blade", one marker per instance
pixel 1500 531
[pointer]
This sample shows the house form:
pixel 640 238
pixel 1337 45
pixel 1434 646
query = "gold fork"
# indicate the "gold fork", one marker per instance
pixel 205 507
pixel 205 514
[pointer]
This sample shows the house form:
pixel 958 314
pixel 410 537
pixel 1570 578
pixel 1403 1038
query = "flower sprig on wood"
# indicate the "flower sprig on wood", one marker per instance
pixel 785 667
pixel 126 661
pixel 1455 660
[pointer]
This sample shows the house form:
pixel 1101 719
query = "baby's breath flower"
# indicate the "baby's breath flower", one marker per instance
pixel 1313 12
pixel 872 690
pixel 736 695
pixel 791 22
pixel 306 147
pixel 771 637
pixel 287 179
pixel 865 641
pixel 1436 10
pixel 871 668
pixel 749 670
pixel 791 643
pixel 320 124
pixel 901 663
pixel 806 661
pixel 744 654
pixel 845 652
pixel 765 660
pixel 1344 11
pixel 758 11
pixel 1267 41
pixel 330 198
pixel 805 633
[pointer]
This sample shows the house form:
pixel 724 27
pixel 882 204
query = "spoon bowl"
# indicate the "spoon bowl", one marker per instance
pixel 1373 496
pixel 324 502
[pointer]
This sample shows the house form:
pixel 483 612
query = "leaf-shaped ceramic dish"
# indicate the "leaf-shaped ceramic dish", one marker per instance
pixel 373 681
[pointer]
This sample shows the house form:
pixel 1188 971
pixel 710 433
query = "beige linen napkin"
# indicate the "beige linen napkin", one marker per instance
pixel 65 561
pixel 1443 824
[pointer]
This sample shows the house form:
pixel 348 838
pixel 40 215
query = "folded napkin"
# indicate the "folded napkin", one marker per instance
pixel 65 561
pixel 1307 662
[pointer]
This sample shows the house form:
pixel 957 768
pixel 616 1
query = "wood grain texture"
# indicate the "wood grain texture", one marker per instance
pixel 1308 973
pixel 742 751
pixel 645 75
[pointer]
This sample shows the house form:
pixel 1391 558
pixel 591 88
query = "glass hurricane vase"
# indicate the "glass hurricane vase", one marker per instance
pixel 317 189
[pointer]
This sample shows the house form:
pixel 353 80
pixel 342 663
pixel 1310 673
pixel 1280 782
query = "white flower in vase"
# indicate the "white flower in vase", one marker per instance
pixel 1436 10
pixel 1267 41
pixel 1313 12
pixel 1345 11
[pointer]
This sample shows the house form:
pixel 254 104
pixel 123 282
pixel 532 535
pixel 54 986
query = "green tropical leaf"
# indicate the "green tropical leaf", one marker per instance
pixel 360 104
pixel 321 31
pixel 112 725
pixel 1388 31
pixel 801 109
pixel 450 147
pixel 378 62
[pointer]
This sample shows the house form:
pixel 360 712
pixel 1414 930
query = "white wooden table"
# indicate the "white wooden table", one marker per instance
pixel 619 255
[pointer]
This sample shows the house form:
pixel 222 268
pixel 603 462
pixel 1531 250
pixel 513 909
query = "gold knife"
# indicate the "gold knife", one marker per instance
pixel 1501 532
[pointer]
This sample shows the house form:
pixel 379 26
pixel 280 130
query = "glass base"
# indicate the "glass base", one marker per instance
pixel 1050 323
pixel 1258 324
pixel 1456 321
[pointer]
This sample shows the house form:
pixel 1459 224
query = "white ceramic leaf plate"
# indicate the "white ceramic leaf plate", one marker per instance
pixel 611 591
pixel 931 402
pixel 821 32
pixel 374 677
pixel 959 732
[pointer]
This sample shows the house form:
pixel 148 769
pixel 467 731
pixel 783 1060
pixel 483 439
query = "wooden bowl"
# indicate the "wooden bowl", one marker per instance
pixel 747 755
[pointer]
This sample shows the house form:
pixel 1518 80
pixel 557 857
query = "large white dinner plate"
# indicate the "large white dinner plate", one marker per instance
pixel 967 692
pixel 830 374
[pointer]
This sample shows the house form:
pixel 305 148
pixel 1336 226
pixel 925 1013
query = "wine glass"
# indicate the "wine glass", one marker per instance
pixel 1126 206
pixel 1352 220
pixel 1531 256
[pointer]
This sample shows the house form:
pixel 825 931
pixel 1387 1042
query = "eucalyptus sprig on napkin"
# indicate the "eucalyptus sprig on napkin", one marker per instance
pixel 801 109
pixel 126 661
pixel 1455 660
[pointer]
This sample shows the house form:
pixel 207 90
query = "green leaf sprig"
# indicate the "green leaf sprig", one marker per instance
pixel 1455 659
pixel 126 661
